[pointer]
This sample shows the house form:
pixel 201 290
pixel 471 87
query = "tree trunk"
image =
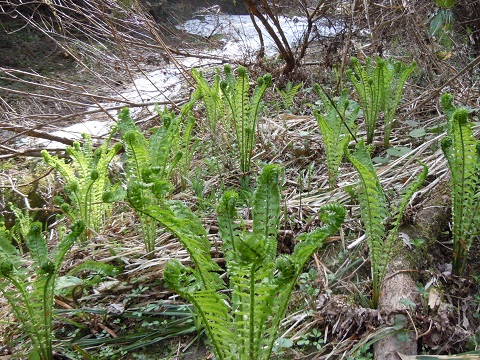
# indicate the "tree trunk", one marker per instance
pixel 397 286
pixel 428 224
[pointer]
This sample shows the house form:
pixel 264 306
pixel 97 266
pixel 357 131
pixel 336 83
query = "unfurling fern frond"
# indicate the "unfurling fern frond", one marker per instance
pixel 461 150
pixel 243 111
pixel 32 300
pixel 288 94
pixel 86 179
pixel 379 85
pixel 374 213
pixel 336 123
pixel 373 210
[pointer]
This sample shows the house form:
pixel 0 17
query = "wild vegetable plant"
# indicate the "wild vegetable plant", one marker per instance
pixel 228 105
pixel 87 181
pixel 462 149
pixel 243 111
pixel 21 227
pixel 29 287
pixel 374 212
pixel 379 85
pixel 243 322
pixel 212 98
pixel 150 163
pixel 336 123
pixel 288 94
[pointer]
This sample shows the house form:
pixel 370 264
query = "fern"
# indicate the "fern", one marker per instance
pixel 379 86
pixel 212 98
pixel 374 212
pixel 241 323
pixel 150 163
pixel 32 300
pixel 396 74
pixel 87 180
pixel 228 103
pixel 461 150
pixel 23 221
pixel 242 111
pixel 289 94
pixel 335 123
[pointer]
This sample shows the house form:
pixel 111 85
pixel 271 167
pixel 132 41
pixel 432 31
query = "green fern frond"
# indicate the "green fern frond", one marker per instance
pixel 397 218
pixel 178 219
pixel 65 170
pixel 373 210
pixel 266 209
pixel 66 242
pixel 212 98
pixel 335 122
pixel 379 85
pixel 229 223
pixel 6 246
pixel 289 94
pixel 396 75
pixel 36 243
pixel 460 148
pixel 86 180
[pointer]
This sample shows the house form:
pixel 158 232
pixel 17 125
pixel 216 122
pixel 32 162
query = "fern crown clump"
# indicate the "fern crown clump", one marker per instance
pixel 242 110
pixel 336 123
pixel 229 107
pixel 461 149
pixel 150 163
pixel 32 300
pixel 87 183
pixel 379 85
pixel 288 95
pixel 242 323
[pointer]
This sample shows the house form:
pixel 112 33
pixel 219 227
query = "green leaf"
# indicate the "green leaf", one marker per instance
pixel 399 321
pixel 445 3
pixel 398 151
pixel 418 133
pixel 380 160
pixel 65 283
pixel 284 342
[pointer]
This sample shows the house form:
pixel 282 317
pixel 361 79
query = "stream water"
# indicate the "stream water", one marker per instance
pixel 240 40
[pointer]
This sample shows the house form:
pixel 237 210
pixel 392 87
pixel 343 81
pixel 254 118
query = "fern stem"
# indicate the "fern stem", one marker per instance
pixel 47 314
pixel 252 313
pixel 31 322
